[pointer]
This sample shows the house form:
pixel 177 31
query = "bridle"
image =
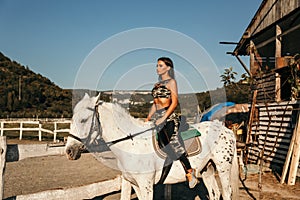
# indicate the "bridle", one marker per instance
pixel 98 129
pixel 93 127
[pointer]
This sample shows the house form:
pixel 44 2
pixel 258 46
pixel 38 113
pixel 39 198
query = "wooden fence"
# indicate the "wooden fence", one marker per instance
pixel 3 148
pixel 32 125
pixel 10 153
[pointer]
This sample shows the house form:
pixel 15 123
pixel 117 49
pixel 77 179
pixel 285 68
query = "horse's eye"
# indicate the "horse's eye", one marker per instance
pixel 83 121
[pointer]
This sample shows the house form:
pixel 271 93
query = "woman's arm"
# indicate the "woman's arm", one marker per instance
pixel 151 112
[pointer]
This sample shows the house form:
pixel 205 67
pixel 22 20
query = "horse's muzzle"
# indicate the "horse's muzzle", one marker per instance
pixel 74 152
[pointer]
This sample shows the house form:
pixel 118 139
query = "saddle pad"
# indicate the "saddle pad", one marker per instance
pixel 190 134
pixel 185 135
pixel 192 146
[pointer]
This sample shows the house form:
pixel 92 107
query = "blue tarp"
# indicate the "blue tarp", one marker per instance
pixel 211 111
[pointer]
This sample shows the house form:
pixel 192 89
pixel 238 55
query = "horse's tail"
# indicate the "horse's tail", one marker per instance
pixel 235 177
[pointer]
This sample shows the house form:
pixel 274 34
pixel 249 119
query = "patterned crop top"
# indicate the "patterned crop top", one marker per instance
pixel 160 90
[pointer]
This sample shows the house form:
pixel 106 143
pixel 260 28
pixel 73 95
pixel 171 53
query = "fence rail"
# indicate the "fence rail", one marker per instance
pixel 11 153
pixel 18 125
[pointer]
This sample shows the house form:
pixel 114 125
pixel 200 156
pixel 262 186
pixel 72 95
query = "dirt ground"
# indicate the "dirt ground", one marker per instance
pixel 32 175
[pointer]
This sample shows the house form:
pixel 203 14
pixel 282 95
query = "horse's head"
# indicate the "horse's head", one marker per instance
pixel 85 126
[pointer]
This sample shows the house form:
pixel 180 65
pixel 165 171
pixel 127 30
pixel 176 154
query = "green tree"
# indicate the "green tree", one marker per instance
pixel 10 101
pixel 236 90
pixel 228 77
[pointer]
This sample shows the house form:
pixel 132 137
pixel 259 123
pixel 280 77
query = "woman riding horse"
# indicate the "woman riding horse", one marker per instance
pixel 165 96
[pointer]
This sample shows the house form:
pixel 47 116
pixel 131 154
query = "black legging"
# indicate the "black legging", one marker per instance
pixel 172 144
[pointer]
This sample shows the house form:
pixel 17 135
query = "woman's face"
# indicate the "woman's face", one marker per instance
pixel 161 68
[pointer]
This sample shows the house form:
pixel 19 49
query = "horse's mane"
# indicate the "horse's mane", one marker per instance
pixel 125 113
pixel 116 107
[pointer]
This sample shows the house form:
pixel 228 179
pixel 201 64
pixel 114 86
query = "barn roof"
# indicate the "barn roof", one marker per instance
pixel 269 14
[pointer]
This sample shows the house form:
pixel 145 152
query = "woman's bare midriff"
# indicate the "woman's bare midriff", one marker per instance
pixel 162 103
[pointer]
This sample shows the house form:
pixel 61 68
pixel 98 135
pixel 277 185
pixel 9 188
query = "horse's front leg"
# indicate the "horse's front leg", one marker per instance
pixel 125 189
pixel 144 189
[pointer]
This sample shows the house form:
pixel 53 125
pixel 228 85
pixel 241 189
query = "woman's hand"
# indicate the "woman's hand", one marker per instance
pixel 160 121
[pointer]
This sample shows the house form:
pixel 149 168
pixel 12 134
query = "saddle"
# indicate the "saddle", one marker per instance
pixel 191 142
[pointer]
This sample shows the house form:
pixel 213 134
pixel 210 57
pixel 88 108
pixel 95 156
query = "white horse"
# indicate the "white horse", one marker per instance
pixel 130 140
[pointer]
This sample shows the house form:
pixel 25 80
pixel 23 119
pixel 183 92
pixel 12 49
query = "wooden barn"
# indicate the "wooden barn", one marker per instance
pixel 272 42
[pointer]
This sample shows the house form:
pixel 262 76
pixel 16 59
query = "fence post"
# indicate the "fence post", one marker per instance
pixel 40 131
pixel 3 148
pixel 21 130
pixel 55 131
pixel 2 128
pixel 296 155
pixel 288 159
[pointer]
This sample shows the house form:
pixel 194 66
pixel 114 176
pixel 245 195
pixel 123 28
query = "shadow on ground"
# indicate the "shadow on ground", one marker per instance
pixel 179 191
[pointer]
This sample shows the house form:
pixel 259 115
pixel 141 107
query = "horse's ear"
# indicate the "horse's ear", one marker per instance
pixel 86 96
pixel 98 96
pixel 97 99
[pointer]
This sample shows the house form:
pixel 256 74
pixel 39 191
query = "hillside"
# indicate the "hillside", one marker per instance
pixel 27 94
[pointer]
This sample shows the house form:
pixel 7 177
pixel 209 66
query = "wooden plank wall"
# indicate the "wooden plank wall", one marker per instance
pixel 272 132
pixel 267 88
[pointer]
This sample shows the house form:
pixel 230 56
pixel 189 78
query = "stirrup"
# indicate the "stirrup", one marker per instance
pixel 193 181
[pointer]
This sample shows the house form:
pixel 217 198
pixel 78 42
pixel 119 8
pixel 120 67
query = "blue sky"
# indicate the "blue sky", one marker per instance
pixel 58 38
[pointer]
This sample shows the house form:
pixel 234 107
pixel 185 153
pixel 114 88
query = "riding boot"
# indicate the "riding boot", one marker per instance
pixel 191 177
pixel 190 173
pixel 165 171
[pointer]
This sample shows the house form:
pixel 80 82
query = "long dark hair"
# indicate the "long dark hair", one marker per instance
pixel 169 63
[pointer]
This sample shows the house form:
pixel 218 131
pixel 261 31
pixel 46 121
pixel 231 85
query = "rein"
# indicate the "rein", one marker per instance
pixel 130 136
